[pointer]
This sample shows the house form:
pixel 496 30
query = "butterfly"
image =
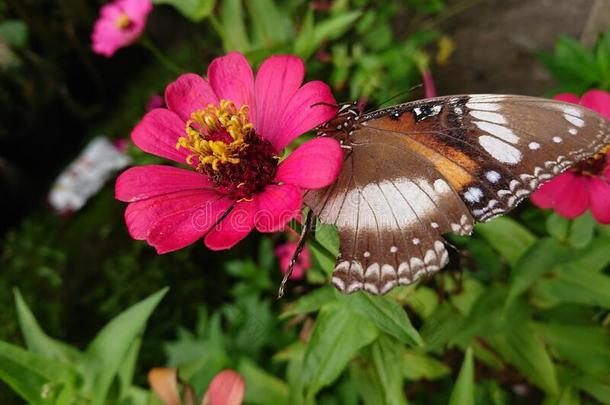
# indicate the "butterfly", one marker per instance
pixel 417 171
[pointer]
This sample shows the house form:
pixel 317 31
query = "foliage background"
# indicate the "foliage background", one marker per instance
pixel 521 316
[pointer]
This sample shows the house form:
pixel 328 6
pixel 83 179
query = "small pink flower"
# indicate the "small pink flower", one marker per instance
pixel 231 129
pixel 586 185
pixel 226 388
pixel 120 23
pixel 284 254
pixel 155 101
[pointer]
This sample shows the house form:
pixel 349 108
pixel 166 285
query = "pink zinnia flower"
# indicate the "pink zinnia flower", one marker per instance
pixel 586 184
pixel 120 24
pixel 284 254
pixel 231 129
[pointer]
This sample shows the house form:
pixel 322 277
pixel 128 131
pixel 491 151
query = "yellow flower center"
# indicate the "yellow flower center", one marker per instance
pixel 123 21
pixel 216 134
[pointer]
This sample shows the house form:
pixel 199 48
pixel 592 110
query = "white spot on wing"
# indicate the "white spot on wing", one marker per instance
pixel 557 139
pixel 500 150
pixel 574 120
pixel 498 131
pixel 473 194
pixel 489 116
pixel 534 145
pixel 483 106
pixel 493 176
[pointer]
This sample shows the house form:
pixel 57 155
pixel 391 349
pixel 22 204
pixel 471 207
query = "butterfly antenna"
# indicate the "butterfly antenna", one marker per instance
pixel 300 245
pixel 402 93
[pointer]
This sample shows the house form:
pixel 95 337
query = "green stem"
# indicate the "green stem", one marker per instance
pixel 161 58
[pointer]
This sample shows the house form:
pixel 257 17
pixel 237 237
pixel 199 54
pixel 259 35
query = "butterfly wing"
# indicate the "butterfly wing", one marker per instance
pixel 418 170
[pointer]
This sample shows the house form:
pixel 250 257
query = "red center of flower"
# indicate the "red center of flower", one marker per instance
pixel 593 166
pixel 233 156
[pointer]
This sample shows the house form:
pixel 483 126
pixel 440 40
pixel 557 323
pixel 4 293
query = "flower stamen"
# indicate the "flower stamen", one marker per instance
pixel 217 134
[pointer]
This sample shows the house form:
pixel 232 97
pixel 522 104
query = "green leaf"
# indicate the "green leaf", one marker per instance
pixel 367 382
pixel 581 231
pixel 575 286
pixel 194 10
pixel 587 347
pixel 507 237
pixel 14 33
pixel 595 257
pixel 386 314
pixel 37 340
pixel 385 352
pixel 34 377
pixel 272 26
pixel 262 388
pixel 234 35
pixel 568 396
pixel 558 227
pixel 127 370
pixel 537 261
pixel 441 327
pixel 311 302
pixel 417 366
pixel 325 247
pixel 463 391
pixel 312 36
pixel 108 350
pixel 337 336
pixel 595 388
pixel 422 300
pixel 521 347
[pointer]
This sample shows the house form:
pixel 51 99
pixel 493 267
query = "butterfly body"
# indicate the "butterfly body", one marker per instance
pixel 418 170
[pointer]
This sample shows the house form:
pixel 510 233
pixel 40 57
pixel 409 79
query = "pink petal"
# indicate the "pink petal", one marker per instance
pixel 181 228
pixel 304 112
pixel 226 388
pixel 137 9
pixel 314 164
pixel 278 78
pixel 599 194
pixel 141 216
pixel 158 134
pixel 232 79
pixel 142 182
pixel 188 93
pixel 277 205
pixel 568 98
pixel 566 194
pixel 284 254
pixel 236 226
pixel 597 100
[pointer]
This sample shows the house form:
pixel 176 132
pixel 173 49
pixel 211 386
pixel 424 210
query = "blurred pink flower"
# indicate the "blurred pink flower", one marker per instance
pixel 120 24
pixel 586 185
pixel 284 253
pixel 155 101
pixel 226 388
pixel 231 129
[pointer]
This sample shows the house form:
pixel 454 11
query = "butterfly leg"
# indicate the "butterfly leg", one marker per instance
pixel 305 231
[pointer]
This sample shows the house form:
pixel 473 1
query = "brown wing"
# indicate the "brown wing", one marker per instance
pixel 422 169
pixel 506 145
pixel 391 207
